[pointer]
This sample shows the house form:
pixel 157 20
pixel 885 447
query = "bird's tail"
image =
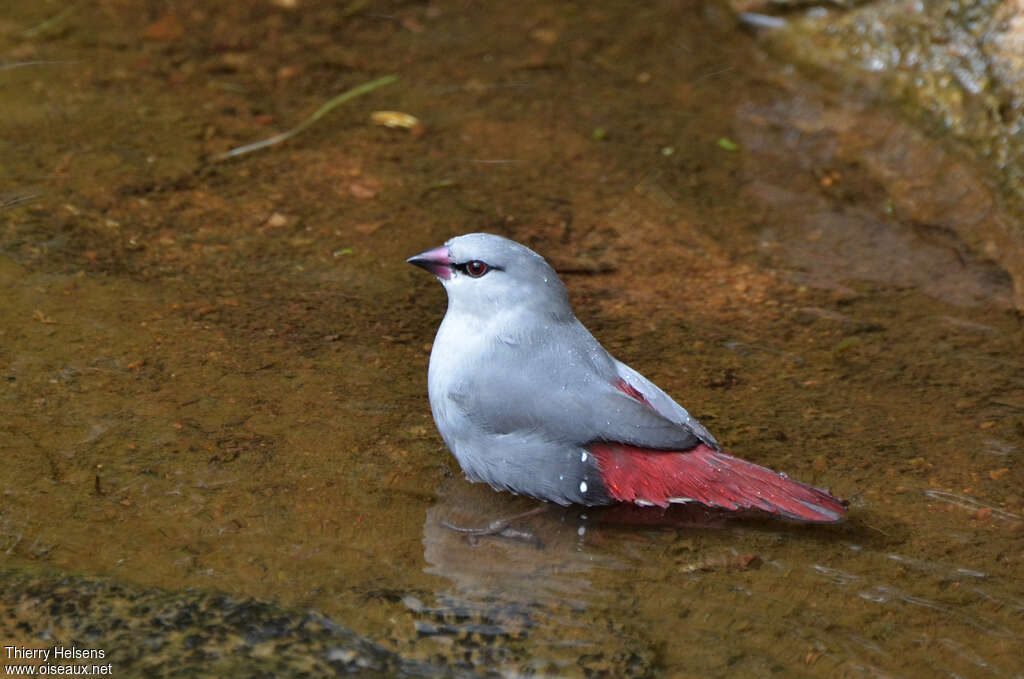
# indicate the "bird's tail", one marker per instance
pixel 711 477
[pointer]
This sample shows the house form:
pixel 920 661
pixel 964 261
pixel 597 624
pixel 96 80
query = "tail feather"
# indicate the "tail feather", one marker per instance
pixel 711 477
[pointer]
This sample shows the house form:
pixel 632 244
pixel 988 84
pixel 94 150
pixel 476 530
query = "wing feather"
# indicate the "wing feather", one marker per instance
pixel 664 404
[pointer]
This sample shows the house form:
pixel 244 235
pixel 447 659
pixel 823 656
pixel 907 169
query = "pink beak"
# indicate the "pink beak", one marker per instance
pixel 435 261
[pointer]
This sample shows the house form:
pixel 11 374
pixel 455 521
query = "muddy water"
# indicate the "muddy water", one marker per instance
pixel 214 372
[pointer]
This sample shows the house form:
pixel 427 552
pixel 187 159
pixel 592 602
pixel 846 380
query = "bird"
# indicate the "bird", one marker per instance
pixel 528 401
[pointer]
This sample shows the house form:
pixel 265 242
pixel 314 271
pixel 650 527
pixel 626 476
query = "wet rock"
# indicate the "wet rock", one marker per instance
pixel 924 217
pixel 955 62
pixel 155 633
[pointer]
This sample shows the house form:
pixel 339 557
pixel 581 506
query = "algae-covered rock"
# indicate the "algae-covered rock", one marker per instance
pixel 150 632
pixel 957 64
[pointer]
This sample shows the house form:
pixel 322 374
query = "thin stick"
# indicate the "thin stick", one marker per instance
pixel 49 23
pixel 23 64
pixel 320 113
pixel 10 202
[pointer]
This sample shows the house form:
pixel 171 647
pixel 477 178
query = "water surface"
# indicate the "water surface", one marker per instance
pixel 215 372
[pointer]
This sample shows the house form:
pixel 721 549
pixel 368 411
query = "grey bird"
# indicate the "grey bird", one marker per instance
pixel 529 402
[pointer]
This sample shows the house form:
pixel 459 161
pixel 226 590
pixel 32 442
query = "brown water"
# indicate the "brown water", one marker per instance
pixel 215 372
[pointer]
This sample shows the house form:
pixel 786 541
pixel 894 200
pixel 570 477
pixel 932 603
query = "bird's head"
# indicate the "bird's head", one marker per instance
pixel 486 274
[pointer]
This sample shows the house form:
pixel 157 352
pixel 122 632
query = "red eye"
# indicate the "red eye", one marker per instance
pixel 476 268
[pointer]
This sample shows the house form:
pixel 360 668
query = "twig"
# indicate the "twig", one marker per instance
pixel 49 23
pixel 10 202
pixel 320 113
pixel 21 64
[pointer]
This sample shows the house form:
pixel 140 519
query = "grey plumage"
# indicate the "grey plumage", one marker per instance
pixel 519 388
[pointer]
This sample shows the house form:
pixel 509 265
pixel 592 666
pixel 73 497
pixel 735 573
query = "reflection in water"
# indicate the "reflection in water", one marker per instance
pixel 553 566
pixel 587 562
pixel 512 587
pixel 567 576
pixel 555 554
pixel 563 578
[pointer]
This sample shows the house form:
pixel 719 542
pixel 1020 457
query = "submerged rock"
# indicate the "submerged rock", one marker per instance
pixel 956 63
pixel 145 631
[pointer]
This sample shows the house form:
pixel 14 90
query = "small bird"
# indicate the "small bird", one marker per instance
pixel 528 401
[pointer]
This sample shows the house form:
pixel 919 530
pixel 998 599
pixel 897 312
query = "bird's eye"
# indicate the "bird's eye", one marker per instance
pixel 476 268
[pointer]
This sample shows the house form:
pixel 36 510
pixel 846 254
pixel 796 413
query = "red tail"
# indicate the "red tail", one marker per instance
pixel 711 477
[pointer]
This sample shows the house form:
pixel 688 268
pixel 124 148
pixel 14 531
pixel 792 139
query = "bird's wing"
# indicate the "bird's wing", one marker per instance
pixel 568 392
pixel 663 403
pixel 600 413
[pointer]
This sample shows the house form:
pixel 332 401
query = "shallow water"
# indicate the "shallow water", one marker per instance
pixel 215 373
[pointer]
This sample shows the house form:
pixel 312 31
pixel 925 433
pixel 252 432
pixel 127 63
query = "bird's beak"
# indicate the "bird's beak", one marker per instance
pixel 435 261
